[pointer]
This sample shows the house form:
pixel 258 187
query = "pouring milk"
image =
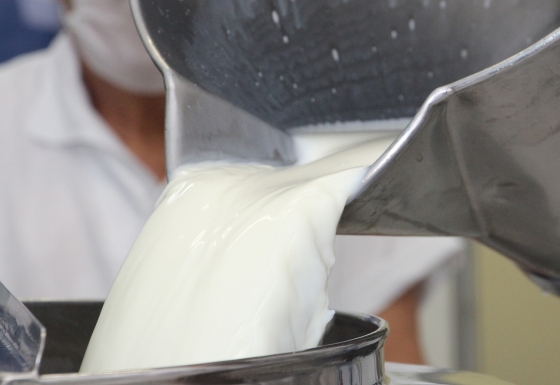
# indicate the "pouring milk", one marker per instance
pixel 233 263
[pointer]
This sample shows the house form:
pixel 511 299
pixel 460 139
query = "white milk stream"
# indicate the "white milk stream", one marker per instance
pixel 234 261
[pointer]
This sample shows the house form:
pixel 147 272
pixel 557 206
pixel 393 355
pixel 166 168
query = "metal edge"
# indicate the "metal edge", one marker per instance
pixel 160 374
pixel 7 377
pixel 168 80
pixel 145 36
pixel 441 95
pixel 438 96
pixel 506 64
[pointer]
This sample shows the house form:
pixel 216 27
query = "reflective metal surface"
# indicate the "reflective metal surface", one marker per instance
pixel 480 156
pixel 351 354
pixel 480 159
pixel 244 71
pixel 22 339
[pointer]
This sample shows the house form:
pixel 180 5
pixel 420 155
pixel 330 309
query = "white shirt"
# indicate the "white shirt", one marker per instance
pixel 73 199
pixel 371 272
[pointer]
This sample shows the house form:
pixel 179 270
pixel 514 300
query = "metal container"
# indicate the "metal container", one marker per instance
pixel 44 343
pixel 241 74
pixel 480 157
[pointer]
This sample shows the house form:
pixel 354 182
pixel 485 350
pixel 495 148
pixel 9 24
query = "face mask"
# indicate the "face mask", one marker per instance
pixel 108 43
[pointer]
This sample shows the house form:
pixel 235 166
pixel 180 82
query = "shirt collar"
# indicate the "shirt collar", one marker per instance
pixel 60 112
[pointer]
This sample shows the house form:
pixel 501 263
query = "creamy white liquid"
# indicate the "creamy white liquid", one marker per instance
pixel 233 263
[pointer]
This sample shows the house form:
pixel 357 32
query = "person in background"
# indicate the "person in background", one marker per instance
pixel 385 276
pixel 83 162
pixel 82 154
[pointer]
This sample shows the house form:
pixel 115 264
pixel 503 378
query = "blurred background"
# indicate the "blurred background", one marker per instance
pixel 481 313
pixel 26 25
pixel 488 317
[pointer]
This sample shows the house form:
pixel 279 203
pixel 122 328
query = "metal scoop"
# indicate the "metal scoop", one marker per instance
pixel 480 157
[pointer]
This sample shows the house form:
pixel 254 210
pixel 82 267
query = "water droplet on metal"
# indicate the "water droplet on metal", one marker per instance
pixel 285 39
pixel 313 99
pixel 392 3
pixel 430 74
pixel 487 3
pixel 335 55
pixel 401 98
pixel 295 86
pixel 333 90
pixel 281 77
pixel 464 53
pixel 412 24
pixel 374 49
pixel 394 34
pixel 443 4
pixel 257 84
pixel 276 18
pixel 260 74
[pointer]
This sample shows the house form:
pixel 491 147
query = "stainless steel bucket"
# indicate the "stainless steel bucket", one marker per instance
pixel 44 342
